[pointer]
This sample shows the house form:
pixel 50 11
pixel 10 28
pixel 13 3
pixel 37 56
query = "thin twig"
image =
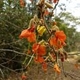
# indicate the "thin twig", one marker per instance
pixel 56 5
pixel 12 23
pixel 15 52
pixel 63 69
pixel 8 68
pixel 72 75
pixel 9 60
pixel 30 60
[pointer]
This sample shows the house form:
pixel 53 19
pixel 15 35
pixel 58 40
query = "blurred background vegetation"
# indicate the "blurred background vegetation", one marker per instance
pixel 14 18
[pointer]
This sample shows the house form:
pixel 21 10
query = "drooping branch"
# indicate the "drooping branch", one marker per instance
pixel 15 52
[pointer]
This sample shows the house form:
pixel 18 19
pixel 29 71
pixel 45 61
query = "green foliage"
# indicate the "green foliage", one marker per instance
pixel 13 19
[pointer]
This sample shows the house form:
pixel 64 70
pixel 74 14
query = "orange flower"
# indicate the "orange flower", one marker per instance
pixel 39 49
pixel 23 77
pixel 22 3
pixel 28 35
pixel 61 36
pixel 53 41
pixel 32 37
pixel 32 28
pixel 56 68
pixel 39 59
pixel 58 40
pixel 35 47
pixel 44 66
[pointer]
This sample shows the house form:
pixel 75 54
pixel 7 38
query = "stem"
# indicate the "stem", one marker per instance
pixel 47 28
pixel 56 53
pixel 63 70
pixel 30 59
pixel 55 6
pixel 56 57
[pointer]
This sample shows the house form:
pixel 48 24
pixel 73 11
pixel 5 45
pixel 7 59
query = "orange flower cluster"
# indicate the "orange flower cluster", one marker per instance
pixel 58 40
pixel 28 34
pixel 54 45
pixel 40 50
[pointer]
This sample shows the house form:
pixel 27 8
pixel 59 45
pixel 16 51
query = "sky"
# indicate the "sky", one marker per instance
pixel 72 6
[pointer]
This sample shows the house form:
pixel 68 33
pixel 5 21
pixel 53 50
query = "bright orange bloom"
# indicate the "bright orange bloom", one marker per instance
pixel 22 3
pixel 32 37
pixel 23 77
pixel 28 35
pixel 61 36
pixel 56 68
pixel 39 49
pixel 32 28
pixel 44 66
pixel 58 39
pixel 39 59
pixel 53 41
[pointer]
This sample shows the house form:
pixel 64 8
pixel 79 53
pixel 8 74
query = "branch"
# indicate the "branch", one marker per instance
pixel 30 60
pixel 8 68
pixel 9 60
pixel 15 52
pixel 12 23
pixel 72 75
pixel 73 53
pixel 14 42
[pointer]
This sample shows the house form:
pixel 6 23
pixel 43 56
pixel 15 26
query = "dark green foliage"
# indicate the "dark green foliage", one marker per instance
pixel 13 19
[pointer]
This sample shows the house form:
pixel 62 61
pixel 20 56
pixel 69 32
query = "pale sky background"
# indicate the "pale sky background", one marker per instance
pixel 72 6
